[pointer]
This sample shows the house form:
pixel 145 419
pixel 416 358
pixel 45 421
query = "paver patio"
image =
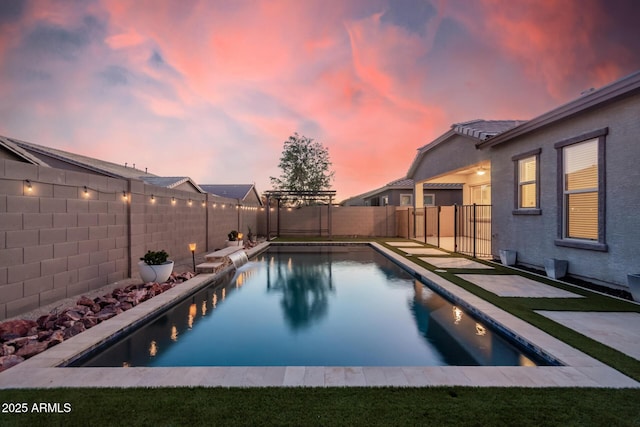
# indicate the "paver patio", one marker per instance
pixel 511 285
pixel 617 330
pixel 455 263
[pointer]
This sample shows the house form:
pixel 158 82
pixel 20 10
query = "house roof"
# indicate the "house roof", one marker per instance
pixel 483 129
pixel 477 130
pixel 9 145
pixel 619 89
pixel 170 181
pixel 95 165
pixel 406 184
pixel 232 191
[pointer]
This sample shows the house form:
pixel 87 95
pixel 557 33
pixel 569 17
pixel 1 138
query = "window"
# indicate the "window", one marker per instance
pixel 429 199
pixel 527 192
pixel 581 190
pixel 581 194
pixel 481 195
pixel 406 199
pixel 385 200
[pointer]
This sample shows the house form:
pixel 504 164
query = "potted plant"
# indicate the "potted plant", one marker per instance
pixel 155 267
pixel 633 280
pixel 556 268
pixel 507 256
pixel 251 236
pixel 233 239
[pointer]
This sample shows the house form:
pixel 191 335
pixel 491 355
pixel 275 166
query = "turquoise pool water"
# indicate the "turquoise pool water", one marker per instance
pixel 310 306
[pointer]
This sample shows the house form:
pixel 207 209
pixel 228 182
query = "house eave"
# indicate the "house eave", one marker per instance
pixel 426 148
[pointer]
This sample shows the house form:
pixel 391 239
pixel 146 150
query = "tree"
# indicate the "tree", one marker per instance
pixel 305 166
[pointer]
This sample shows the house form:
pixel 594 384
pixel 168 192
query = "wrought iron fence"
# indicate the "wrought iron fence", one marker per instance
pixel 472 230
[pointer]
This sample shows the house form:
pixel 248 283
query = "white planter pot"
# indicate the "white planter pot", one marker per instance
pixel 235 243
pixel 155 273
pixel 556 268
pixel 508 256
pixel 633 280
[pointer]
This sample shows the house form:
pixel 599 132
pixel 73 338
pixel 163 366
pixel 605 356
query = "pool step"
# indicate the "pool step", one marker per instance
pixel 219 255
pixel 208 267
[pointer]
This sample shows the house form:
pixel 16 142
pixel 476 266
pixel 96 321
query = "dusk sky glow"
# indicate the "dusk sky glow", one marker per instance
pixel 211 89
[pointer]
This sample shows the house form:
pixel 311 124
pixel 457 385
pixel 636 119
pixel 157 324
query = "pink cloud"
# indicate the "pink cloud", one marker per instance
pixel 235 79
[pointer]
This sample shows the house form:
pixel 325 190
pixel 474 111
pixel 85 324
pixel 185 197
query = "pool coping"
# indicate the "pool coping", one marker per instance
pixel 579 370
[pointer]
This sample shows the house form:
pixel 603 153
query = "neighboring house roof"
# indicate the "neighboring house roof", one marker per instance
pixel 171 181
pixel 477 130
pixel 619 89
pixel 232 191
pixel 9 145
pixel 38 154
pixel 405 184
pixel 102 167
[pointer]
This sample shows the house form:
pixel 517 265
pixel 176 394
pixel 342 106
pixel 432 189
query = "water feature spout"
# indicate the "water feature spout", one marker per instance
pixel 239 259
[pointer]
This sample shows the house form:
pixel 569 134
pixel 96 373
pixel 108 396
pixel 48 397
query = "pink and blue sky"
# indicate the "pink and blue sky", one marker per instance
pixel 211 89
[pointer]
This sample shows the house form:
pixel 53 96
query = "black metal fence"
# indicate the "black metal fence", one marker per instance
pixel 472 230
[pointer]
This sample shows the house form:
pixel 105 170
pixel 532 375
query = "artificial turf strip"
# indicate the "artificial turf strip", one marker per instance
pixel 524 309
pixel 440 406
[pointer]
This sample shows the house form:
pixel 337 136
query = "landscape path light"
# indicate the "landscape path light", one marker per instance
pixel 192 248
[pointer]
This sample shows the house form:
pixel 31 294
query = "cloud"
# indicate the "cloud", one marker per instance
pixel 213 89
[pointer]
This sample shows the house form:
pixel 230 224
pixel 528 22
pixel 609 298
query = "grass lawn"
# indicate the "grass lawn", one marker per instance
pixel 440 406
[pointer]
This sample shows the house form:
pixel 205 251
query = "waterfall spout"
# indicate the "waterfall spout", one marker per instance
pixel 239 259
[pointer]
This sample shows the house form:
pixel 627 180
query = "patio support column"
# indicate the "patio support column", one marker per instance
pixel 418 195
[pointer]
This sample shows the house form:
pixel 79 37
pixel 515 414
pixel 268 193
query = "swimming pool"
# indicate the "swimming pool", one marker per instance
pixel 314 306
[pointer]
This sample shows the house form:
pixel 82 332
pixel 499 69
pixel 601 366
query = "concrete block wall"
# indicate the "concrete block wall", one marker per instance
pixel 57 238
pixel 370 221
pixel 58 241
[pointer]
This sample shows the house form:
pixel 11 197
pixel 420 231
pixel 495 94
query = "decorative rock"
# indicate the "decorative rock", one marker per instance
pixel 105 301
pixel 74 330
pixel 46 321
pixel 21 339
pixel 16 328
pixel 89 321
pixel 74 315
pixel 32 348
pixel 86 301
pixel 139 296
pixel 56 338
pixel 6 350
pixel 8 361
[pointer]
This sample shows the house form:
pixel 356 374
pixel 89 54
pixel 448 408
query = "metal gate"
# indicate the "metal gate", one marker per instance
pixel 472 230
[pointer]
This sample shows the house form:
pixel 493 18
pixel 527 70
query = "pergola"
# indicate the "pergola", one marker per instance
pixel 326 196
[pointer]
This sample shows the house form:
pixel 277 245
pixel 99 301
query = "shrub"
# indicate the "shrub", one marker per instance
pixel 155 258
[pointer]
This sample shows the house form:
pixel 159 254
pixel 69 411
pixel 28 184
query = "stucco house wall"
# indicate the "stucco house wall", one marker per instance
pixel 533 236
pixel 456 152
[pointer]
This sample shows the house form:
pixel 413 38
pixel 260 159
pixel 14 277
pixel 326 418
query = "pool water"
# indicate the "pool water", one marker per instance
pixel 310 306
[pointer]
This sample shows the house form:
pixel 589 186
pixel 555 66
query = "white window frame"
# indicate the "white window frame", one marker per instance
pixel 410 196
pixel 432 197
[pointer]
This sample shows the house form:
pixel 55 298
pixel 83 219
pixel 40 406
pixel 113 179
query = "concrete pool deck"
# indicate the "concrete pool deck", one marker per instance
pixel 580 370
